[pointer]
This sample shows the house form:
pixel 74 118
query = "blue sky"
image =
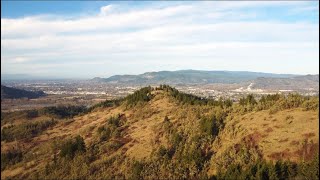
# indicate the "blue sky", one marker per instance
pixel 83 39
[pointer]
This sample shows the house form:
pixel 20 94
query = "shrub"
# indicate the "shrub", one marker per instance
pixel 162 151
pixel 309 170
pixel 72 146
pixel 176 138
pixel 11 157
pixel 113 145
pixel 267 170
pixel 64 111
pixel 105 134
pixel 273 109
pixel 106 103
pixel 311 104
pixel 228 103
pixel 111 129
pixel 211 126
pixel 142 95
pixel 136 169
pixel 249 100
pixel 114 121
pixel 25 130
pixel 32 114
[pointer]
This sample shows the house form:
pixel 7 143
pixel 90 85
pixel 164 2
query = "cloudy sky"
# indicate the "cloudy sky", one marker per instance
pixel 87 39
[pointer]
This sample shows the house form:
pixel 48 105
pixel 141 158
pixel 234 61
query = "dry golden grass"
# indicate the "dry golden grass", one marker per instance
pixel 279 133
pixel 277 136
pixel 11 172
pixel 142 131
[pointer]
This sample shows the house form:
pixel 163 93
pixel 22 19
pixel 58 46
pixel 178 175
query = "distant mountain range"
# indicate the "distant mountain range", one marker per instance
pixel 189 77
pixel 13 93
pixel 196 77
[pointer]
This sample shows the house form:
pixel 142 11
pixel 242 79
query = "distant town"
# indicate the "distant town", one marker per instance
pixel 87 93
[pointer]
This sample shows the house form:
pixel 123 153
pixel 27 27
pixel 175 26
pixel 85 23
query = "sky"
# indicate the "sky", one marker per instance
pixel 86 39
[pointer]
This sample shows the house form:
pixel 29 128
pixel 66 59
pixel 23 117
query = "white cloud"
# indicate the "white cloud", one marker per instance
pixel 206 31
pixel 104 10
pixel 169 35
pixel 37 26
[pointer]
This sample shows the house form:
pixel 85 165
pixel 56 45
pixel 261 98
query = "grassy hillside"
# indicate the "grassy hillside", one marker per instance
pixel 162 133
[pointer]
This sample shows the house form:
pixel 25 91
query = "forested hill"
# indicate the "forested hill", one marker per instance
pixel 13 93
pixel 161 133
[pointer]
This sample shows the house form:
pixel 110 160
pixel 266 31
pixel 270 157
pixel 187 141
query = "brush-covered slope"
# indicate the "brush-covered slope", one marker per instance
pixel 161 133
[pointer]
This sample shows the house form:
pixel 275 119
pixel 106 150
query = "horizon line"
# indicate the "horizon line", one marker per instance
pixel 46 77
